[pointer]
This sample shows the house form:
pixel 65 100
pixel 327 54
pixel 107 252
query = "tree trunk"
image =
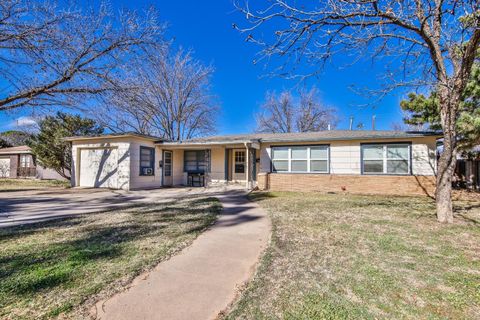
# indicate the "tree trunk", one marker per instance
pixel 443 194
pixel 446 165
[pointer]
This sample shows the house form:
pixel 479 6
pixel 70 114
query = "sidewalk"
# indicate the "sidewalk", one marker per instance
pixel 202 280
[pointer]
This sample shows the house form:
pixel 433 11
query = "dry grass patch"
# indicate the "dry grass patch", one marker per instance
pixel 63 267
pixel 30 184
pixel 370 257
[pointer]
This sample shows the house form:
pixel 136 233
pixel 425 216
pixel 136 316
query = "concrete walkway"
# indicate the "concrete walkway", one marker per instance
pixel 203 279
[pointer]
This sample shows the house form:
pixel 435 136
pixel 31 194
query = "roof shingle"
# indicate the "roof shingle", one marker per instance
pixel 315 136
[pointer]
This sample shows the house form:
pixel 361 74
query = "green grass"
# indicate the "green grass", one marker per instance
pixel 64 266
pixel 364 257
pixel 30 184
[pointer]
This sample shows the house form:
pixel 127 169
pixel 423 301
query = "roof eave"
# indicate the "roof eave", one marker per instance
pixel 15 152
pixel 111 136
pixel 199 143
pixel 313 139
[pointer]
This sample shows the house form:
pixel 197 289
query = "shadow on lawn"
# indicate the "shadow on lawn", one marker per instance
pixel 41 266
pixel 260 196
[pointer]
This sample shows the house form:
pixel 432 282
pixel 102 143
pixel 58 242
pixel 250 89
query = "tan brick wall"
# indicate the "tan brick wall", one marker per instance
pixel 14 165
pixel 360 184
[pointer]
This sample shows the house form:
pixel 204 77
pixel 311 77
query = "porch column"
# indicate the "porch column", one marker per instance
pixel 247 167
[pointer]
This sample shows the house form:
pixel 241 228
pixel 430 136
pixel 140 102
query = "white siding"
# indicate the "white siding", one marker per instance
pixel 345 156
pixel 136 180
pixel 179 177
pixel 265 158
pixel 217 173
pixel 424 157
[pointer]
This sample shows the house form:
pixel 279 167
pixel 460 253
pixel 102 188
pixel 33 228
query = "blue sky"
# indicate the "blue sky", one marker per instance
pixel 206 28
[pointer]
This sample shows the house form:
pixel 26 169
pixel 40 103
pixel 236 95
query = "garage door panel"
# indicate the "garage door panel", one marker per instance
pixel 99 168
pixel 4 167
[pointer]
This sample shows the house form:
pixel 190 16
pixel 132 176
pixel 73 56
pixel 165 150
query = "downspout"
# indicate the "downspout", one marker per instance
pixel 247 165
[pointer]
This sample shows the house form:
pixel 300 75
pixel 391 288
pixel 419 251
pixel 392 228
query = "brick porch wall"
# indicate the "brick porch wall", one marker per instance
pixel 360 184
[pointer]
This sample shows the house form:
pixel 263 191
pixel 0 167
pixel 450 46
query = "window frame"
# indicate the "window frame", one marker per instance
pixel 236 161
pixel 152 161
pixel 385 158
pixel 207 163
pixel 25 161
pixel 308 159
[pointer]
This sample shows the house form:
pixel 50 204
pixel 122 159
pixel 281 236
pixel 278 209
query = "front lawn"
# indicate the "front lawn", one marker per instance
pixel 30 184
pixel 62 267
pixel 365 257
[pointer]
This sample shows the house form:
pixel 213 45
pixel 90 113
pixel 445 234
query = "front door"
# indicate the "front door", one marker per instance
pixel 167 168
pixel 239 168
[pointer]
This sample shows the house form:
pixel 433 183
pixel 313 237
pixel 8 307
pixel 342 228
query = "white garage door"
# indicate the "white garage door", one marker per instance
pixel 99 168
pixel 4 167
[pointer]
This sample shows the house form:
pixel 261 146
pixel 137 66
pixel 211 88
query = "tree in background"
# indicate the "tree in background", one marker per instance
pixel 52 55
pixel 427 43
pixel 424 110
pixel 50 148
pixel 284 113
pixel 169 97
pixel 4 144
pixel 14 138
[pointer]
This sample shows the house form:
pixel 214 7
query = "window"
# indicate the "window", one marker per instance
pixel 147 160
pixel 196 161
pixel 386 158
pixel 25 161
pixel 300 159
pixel 239 161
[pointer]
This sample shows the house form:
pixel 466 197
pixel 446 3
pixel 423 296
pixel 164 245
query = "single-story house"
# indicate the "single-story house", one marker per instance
pixel 384 162
pixel 20 162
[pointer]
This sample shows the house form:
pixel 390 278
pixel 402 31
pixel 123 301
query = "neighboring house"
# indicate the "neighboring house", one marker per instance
pixel 386 162
pixel 20 162
pixel 467 171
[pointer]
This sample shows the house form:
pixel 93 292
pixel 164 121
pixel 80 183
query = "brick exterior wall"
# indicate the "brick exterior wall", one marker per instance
pixel 360 184
pixel 14 165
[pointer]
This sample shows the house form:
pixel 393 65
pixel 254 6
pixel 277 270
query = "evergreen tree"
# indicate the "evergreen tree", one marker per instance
pixel 50 148
pixel 424 111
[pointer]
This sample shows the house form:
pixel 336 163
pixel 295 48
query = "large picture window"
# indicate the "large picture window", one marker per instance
pixel 196 161
pixel 147 161
pixel 386 158
pixel 313 159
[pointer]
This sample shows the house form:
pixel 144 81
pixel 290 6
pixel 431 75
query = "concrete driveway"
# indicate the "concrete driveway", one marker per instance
pixel 21 207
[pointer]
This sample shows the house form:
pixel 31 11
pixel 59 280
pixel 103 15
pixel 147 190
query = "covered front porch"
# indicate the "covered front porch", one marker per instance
pixel 206 164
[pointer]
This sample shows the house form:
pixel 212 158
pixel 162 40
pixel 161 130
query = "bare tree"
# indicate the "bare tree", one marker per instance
pixel 428 42
pixel 277 115
pixel 170 98
pixel 312 115
pixel 52 56
pixel 284 113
